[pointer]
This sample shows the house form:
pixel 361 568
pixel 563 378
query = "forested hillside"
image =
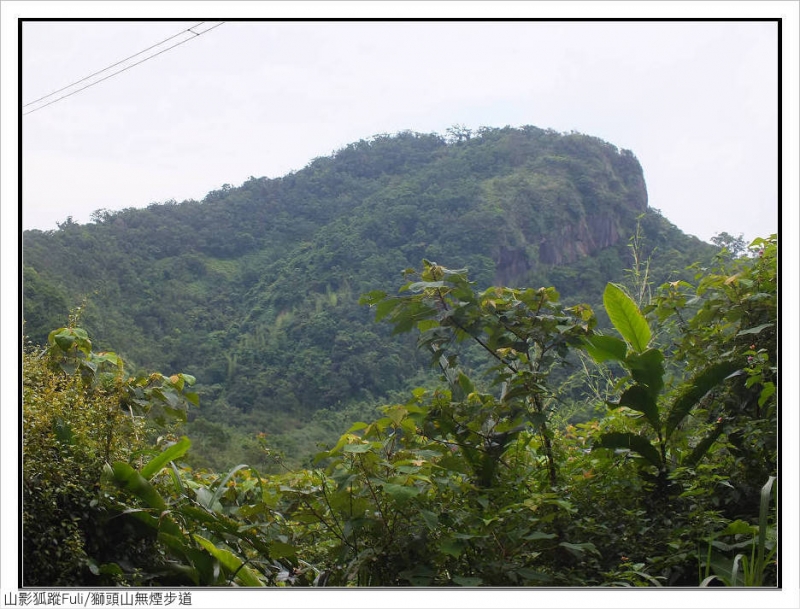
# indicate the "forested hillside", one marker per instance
pixel 255 289
pixel 519 374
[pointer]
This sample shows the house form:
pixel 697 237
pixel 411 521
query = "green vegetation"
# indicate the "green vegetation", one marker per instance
pixel 617 427
pixel 465 484
pixel 255 289
pixel 81 412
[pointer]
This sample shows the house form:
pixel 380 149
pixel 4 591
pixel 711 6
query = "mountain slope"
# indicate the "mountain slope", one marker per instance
pixel 254 290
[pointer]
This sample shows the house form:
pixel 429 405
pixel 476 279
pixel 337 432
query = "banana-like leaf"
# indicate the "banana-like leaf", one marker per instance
pixel 200 568
pixel 626 317
pixel 726 570
pixel 224 525
pixel 161 523
pixel 231 562
pixel 180 489
pixel 221 487
pixel 630 441
pixel 698 387
pixel 131 480
pixel 160 461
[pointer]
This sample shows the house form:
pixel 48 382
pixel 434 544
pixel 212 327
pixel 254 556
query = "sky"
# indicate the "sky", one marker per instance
pixel 697 102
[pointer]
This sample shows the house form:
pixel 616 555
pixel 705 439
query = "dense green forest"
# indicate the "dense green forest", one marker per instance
pixel 478 359
pixel 255 289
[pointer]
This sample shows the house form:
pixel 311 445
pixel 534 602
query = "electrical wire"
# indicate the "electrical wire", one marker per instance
pixel 190 30
pixel 113 65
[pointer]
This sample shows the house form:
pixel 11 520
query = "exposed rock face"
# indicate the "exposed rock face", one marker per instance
pixel 578 240
pixel 511 263
pixel 633 178
pixel 563 211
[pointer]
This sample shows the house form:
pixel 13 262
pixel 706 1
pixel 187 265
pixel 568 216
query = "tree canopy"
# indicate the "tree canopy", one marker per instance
pixel 255 289
pixel 469 483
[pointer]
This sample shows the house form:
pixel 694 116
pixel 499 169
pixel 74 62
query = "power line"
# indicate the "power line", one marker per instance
pixel 190 30
pixel 112 65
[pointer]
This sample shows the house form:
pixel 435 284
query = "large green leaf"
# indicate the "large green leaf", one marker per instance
pixel 385 307
pixel 452 547
pixel 647 369
pixel 626 317
pixel 465 384
pixel 578 549
pixel 221 487
pixel 630 441
pixel 161 523
pixel 161 460
pixel 357 448
pixel 399 492
pixel 605 348
pixel 755 330
pixel 202 569
pixel 639 398
pixel 697 387
pixel 538 535
pixel 128 478
pixel 63 339
pixel 430 518
pixel 223 525
pixel 727 570
pixel 231 562
pixel 419 286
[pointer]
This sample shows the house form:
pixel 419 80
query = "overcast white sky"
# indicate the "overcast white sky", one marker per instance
pixel 696 102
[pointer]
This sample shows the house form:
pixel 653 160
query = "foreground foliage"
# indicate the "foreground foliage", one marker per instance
pixel 472 483
pixel 81 412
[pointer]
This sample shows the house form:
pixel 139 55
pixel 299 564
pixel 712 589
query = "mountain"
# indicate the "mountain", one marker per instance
pixel 255 289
